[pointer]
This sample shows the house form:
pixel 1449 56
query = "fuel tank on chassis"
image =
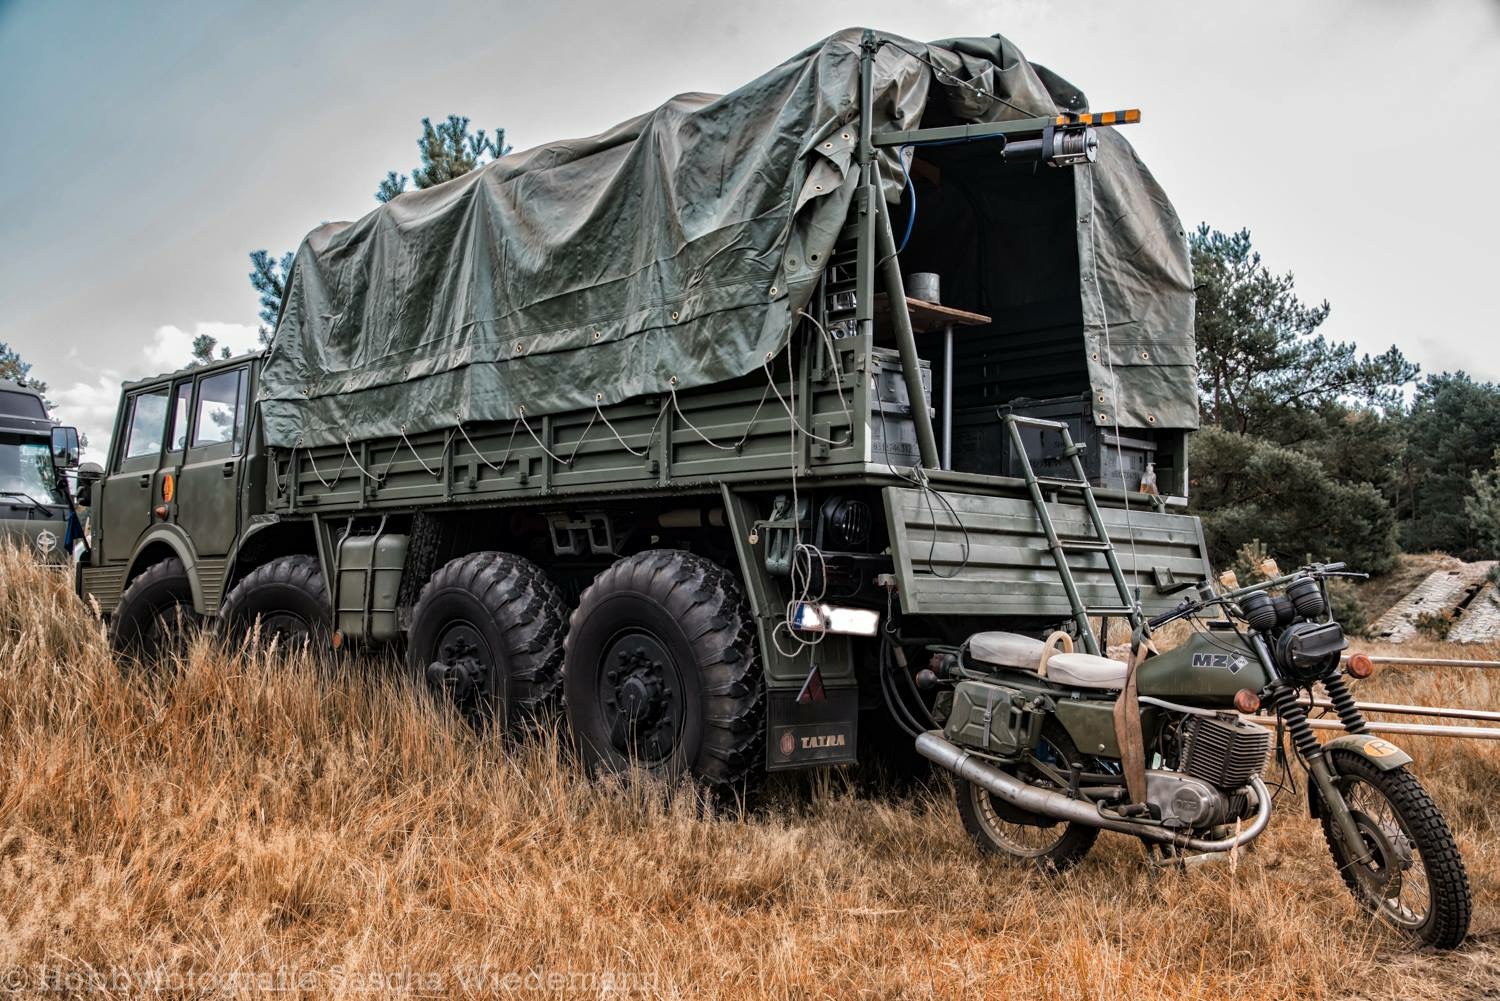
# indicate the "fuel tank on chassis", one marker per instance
pixel 1205 670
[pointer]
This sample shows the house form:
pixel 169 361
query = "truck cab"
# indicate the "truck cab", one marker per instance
pixel 169 496
pixel 34 501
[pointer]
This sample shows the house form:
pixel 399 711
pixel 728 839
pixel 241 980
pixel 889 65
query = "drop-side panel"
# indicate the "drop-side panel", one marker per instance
pixel 967 554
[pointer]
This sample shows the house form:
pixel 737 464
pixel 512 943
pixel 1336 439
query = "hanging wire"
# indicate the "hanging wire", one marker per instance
pixel 525 424
pixel 313 462
pixel 509 444
pixel 413 449
pixel 660 411
pixel 672 385
pixel 355 459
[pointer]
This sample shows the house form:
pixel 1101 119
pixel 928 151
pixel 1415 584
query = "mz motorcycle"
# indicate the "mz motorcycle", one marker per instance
pixel 1049 748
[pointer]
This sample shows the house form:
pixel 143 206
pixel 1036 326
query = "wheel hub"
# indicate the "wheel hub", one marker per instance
pixel 640 686
pixel 1390 857
pixel 461 670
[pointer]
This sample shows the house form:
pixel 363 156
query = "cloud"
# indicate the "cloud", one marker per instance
pixel 172 347
pixel 90 406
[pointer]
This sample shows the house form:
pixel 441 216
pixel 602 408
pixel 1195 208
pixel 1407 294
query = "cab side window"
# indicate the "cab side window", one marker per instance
pixel 219 415
pixel 148 420
pixel 180 414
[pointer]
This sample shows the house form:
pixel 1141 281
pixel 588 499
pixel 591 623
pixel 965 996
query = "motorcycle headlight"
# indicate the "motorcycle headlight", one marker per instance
pixel 1310 650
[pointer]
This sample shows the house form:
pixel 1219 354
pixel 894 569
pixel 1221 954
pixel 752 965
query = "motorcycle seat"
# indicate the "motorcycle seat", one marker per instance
pixel 1006 650
pixel 1084 670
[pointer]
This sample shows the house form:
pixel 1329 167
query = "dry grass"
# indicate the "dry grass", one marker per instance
pixel 247 817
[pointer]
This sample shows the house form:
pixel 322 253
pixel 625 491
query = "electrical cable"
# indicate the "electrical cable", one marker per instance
pixel 911 190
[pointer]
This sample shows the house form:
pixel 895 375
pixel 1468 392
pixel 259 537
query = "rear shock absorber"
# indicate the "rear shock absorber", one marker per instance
pixel 1343 703
pixel 1294 714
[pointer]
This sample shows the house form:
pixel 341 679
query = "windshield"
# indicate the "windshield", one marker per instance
pixel 26 468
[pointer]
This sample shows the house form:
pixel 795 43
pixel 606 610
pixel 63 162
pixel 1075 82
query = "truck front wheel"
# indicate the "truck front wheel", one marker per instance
pixel 289 599
pixel 486 635
pixel 155 615
pixel 661 672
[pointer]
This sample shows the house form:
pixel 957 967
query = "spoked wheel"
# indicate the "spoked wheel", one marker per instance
pixel 1414 877
pixel 155 618
pixel 662 672
pixel 1001 829
pixel 288 599
pixel 486 637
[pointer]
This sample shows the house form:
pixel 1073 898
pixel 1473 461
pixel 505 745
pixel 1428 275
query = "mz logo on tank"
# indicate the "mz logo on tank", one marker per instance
pixel 1232 662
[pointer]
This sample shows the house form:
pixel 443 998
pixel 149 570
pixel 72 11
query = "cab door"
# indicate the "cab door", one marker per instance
pixel 127 495
pixel 206 495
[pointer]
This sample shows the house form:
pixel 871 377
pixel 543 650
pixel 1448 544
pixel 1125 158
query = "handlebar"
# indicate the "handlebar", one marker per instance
pixel 1189 606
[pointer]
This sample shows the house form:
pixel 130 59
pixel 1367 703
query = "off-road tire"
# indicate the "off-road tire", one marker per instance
pixel 695 612
pixel 155 606
pixel 517 616
pixel 288 598
pixel 980 813
pixel 1450 901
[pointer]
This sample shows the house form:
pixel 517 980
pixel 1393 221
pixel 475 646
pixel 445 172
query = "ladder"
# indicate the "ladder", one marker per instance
pixel 1061 547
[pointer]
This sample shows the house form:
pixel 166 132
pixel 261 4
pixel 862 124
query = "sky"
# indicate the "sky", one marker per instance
pixel 148 147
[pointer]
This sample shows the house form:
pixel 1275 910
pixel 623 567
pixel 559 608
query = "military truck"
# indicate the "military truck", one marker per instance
pixel 670 423
pixel 758 429
pixel 35 453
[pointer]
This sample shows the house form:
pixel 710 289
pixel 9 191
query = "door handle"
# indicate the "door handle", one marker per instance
pixel 228 469
pixel 146 481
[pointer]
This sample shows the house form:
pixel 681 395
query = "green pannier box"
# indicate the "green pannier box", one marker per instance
pixel 994 719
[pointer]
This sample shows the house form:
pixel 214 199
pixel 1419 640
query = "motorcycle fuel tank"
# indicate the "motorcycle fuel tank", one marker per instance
pixel 1206 670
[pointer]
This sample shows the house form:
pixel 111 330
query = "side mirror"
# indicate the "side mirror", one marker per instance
pixel 65 448
pixel 88 474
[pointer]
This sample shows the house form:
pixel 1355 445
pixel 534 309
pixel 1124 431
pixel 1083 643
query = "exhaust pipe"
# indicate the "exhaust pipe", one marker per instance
pixel 936 748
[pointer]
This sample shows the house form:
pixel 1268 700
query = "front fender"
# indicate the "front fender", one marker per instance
pixel 175 539
pixel 1377 750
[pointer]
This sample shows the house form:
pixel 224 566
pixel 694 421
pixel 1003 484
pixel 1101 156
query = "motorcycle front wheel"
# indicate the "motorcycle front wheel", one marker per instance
pixel 1414 877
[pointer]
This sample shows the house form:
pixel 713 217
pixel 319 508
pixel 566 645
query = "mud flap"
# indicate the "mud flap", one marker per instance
pixel 811 734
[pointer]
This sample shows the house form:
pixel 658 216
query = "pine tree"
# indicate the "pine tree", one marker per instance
pixel 448 150
pixel 17 370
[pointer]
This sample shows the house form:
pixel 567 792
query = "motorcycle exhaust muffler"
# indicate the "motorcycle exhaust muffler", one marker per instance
pixel 936 748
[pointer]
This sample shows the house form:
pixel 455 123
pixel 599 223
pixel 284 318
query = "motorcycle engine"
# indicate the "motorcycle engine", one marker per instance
pixel 1182 801
pixel 1217 757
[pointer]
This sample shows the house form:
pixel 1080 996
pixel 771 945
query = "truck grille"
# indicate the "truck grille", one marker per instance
pixel 1226 752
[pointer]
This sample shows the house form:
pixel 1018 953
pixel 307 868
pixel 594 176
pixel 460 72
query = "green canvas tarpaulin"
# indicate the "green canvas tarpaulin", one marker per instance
pixel 680 245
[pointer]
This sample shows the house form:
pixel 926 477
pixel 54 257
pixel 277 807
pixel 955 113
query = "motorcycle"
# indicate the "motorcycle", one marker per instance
pixel 1051 747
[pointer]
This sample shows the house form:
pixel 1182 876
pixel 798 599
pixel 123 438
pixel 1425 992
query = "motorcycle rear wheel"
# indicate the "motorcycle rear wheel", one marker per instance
pixel 1415 879
pixel 998 828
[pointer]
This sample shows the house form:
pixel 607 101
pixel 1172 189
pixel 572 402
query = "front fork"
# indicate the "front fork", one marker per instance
pixel 1294 715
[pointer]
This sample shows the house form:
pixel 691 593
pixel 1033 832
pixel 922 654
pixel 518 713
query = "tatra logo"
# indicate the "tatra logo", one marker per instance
pixel 824 740
pixel 788 743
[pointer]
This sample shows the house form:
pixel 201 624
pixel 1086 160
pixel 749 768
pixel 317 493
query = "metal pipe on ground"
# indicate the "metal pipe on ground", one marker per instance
pixel 1411 729
pixel 1433 662
pixel 1448 712
pixel 933 746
